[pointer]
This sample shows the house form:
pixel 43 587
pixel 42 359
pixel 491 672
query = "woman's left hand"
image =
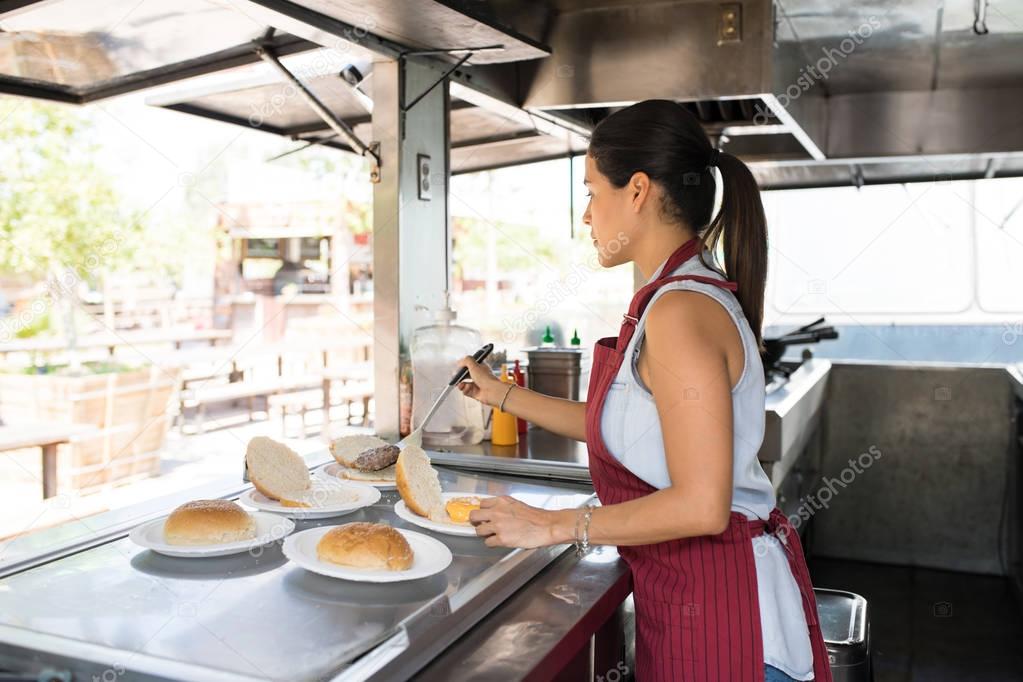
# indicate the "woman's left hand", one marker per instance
pixel 506 522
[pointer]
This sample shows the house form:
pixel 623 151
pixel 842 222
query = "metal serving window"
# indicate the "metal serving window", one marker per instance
pixel 80 51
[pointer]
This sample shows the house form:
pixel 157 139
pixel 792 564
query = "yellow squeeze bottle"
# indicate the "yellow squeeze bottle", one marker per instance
pixel 504 427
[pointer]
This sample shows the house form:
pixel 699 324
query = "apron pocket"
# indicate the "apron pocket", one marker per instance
pixel 668 629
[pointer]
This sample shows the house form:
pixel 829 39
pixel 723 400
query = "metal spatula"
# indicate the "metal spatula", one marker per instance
pixel 416 437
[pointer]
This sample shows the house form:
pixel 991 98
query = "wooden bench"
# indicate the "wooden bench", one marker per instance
pixel 252 390
pixel 46 437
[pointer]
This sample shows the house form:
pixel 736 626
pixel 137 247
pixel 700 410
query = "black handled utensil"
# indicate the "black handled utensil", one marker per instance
pixel 478 356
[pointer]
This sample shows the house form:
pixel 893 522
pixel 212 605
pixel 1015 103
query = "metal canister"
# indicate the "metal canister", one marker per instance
pixel 845 624
pixel 556 371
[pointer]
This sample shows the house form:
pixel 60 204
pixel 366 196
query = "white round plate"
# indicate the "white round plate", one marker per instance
pixel 349 497
pixel 430 556
pixel 333 471
pixel 451 528
pixel 269 528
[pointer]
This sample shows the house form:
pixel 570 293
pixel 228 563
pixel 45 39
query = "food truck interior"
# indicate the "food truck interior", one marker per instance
pixel 897 446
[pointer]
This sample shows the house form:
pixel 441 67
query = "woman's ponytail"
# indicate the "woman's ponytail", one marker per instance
pixel 740 228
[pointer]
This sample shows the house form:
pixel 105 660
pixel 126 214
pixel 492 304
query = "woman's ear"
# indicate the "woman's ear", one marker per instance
pixel 639 190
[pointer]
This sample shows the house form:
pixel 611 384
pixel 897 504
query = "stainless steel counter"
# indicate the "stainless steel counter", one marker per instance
pixel 793 413
pixel 117 607
pixel 539 453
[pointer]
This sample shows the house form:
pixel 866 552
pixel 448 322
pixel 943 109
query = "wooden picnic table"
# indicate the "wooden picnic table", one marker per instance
pixel 112 341
pixel 46 437
pixel 250 390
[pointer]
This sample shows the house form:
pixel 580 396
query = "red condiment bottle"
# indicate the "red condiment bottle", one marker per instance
pixel 520 380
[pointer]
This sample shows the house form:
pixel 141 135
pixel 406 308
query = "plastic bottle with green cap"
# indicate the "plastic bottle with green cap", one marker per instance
pixel 548 339
pixel 575 339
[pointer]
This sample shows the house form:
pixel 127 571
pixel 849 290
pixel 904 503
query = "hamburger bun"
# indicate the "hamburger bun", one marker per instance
pixel 208 522
pixel 458 508
pixel 277 471
pixel 372 546
pixel 418 484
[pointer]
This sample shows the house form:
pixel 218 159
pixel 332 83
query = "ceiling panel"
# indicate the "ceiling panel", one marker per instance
pixel 255 96
pixel 475 124
pixel 427 25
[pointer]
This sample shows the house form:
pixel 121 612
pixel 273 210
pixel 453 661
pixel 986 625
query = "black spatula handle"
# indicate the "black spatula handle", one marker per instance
pixel 478 356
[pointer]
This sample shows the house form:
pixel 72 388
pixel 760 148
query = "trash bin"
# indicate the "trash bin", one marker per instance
pixel 845 624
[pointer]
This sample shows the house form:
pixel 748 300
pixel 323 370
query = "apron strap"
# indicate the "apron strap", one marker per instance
pixel 643 296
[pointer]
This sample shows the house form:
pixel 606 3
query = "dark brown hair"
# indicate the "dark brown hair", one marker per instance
pixel 660 138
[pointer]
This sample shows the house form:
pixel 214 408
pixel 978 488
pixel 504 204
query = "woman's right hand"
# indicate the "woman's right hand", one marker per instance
pixel 484 387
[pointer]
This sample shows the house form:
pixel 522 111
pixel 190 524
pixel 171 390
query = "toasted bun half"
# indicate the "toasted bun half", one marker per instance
pixel 418 484
pixel 277 471
pixel 373 546
pixel 208 522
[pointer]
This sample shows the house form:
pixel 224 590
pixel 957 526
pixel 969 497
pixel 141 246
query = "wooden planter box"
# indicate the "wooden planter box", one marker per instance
pixel 130 409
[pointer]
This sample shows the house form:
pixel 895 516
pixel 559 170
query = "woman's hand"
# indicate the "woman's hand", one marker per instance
pixel 506 522
pixel 484 387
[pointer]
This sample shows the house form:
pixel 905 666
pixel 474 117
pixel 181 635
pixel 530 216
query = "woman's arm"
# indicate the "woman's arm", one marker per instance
pixel 557 415
pixel 686 337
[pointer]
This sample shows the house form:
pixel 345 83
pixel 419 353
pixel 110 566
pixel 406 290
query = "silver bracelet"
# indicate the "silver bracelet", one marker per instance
pixel 505 398
pixel 582 544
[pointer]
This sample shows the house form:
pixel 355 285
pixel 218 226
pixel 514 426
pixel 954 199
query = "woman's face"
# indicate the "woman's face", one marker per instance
pixel 611 216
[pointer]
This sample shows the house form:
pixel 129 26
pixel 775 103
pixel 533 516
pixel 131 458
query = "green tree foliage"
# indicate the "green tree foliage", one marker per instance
pixel 58 210
pixel 518 247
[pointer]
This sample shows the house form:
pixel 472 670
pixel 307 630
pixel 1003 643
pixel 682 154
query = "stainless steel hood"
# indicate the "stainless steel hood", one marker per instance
pixel 809 92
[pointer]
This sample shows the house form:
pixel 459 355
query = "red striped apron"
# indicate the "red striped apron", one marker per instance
pixel 697 610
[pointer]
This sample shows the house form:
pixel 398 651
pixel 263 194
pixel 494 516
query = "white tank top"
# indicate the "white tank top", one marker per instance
pixel 632 432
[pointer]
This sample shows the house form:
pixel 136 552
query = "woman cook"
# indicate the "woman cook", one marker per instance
pixel 675 416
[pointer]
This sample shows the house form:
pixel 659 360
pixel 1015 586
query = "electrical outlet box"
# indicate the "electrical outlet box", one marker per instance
pixel 730 23
pixel 423 176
